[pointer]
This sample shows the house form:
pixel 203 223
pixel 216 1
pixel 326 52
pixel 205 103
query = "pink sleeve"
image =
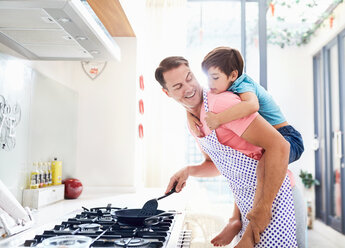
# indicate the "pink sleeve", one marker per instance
pixel 226 100
pixel 292 178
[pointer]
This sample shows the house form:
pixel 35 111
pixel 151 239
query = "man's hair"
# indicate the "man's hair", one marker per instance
pixel 226 59
pixel 166 65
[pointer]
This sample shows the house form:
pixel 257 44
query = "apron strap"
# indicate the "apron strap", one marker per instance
pixel 205 100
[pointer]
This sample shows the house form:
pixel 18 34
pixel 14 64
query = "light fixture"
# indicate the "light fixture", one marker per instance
pixel 81 38
pixel 64 20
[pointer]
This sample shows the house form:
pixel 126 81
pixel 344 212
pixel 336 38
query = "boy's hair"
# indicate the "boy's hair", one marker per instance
pixel 226 59
pixel 166 65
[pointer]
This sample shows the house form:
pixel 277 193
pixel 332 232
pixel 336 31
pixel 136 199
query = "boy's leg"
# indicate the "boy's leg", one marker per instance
pixel 296 142
pixel 260 177
pixel 230 230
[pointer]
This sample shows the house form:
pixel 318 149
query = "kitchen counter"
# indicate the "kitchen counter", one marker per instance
pixel 49 216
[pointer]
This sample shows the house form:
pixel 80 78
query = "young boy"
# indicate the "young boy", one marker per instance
pixel 224 67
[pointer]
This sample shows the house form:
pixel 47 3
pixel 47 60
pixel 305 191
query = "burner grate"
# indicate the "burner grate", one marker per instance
pixel 102 226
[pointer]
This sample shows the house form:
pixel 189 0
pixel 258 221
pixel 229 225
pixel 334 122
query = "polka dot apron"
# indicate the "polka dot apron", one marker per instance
pixel 240 171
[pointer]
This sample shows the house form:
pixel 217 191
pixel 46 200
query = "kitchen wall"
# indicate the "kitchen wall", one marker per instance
pixel 89 124
pixel 290 81
pixel 43 131
pixel 107 132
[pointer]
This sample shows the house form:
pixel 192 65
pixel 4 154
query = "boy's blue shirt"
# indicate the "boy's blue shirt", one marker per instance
pixel 268 109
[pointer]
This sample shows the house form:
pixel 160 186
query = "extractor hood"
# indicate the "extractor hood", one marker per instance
pixel 55 30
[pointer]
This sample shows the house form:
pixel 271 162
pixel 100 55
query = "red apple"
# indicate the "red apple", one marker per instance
pixel 73 188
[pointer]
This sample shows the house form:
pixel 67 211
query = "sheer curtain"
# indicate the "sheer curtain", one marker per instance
pixel 164 34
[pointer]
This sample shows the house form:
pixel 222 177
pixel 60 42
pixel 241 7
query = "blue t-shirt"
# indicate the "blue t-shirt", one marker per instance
pixel 268 108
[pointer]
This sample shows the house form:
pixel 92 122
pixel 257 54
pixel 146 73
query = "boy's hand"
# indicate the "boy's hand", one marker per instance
pixel 212 120
pixel 194 124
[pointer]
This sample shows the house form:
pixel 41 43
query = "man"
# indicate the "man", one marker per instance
pixel 247 135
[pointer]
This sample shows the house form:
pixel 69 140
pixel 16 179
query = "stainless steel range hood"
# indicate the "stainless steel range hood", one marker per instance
pixel 55 30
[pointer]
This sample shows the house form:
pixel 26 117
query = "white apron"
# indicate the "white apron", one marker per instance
pixel 240 171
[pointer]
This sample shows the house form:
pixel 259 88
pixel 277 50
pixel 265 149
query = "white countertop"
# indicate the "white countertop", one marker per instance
pixel 49 216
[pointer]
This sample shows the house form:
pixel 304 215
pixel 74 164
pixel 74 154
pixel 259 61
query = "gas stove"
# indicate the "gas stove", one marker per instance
pixel 102 226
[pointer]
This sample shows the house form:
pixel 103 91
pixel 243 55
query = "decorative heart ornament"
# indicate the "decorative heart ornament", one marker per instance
pixel 93 68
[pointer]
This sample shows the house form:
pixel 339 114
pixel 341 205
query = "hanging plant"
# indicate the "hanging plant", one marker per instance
pixel 303 24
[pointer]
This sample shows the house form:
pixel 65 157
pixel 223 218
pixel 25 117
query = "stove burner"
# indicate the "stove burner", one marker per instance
pixel 103 227
pixel 133 242
pixel 89 227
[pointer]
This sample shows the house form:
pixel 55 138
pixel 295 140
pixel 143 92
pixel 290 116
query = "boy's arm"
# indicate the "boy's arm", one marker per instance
pixel 249 104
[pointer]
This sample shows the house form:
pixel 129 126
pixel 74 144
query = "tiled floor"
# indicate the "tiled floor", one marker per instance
pixel 323 236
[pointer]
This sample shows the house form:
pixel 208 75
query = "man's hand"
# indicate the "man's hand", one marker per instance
pixel 247 240
pixel 259 217
pixel 212 120
pixel 194 124
pixel 179 179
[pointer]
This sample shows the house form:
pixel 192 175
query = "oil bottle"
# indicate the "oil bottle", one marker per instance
pixel 50 174
pixel 56 171
pixel 34 180
pixel 45 174
pixel 41 177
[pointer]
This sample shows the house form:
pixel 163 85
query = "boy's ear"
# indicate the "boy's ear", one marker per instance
pixel 233 75
pixel 166 92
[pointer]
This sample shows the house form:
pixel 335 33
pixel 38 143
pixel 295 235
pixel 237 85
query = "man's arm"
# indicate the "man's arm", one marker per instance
pixel 262 134
pixel 205 169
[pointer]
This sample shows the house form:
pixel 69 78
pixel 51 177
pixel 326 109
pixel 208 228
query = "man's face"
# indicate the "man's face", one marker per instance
pixel 183 87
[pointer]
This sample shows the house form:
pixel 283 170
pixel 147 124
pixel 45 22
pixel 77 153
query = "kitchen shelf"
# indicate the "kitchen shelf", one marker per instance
pixel 36 198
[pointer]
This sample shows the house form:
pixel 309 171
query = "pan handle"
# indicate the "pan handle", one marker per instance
pixel 155 219
pixel 173 190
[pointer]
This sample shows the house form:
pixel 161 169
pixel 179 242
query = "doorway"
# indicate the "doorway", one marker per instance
pixel 329 116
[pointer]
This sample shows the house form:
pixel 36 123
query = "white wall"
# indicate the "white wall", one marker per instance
pixel 107 131
pixel 290 81
pixel 101 147
pixel 107 134
pixel 43 131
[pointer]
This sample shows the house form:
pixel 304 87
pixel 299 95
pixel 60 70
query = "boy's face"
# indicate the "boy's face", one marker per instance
pixel 218 81
pixel 182 86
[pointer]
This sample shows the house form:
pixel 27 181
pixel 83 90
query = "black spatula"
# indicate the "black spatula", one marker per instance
pixel 150 207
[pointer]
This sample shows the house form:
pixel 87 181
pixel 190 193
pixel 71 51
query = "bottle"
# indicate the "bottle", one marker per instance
pixel 45 174
pixel 34 177
pixel 41 179
pixel 50 175
pixel 56 171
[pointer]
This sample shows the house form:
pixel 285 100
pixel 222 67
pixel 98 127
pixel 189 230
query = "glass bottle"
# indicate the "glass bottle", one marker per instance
pixel 41 179
pixel 34 174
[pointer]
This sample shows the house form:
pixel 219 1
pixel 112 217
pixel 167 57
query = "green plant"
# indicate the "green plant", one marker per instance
pixel 308 180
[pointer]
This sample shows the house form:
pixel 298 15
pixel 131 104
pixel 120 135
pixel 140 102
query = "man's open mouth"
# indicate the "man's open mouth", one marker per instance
pixel 191 94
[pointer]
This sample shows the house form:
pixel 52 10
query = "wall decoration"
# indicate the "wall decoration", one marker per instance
pixel 93 68
pixel 10 116
pixel 141 131
pixel 141 106
pixel 141 82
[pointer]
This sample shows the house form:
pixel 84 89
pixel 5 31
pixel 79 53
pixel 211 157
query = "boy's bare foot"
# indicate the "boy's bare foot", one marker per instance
pixel 228 233
pixel 247 240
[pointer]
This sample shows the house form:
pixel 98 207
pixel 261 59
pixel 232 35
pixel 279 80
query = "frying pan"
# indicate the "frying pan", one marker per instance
pixel 133 216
